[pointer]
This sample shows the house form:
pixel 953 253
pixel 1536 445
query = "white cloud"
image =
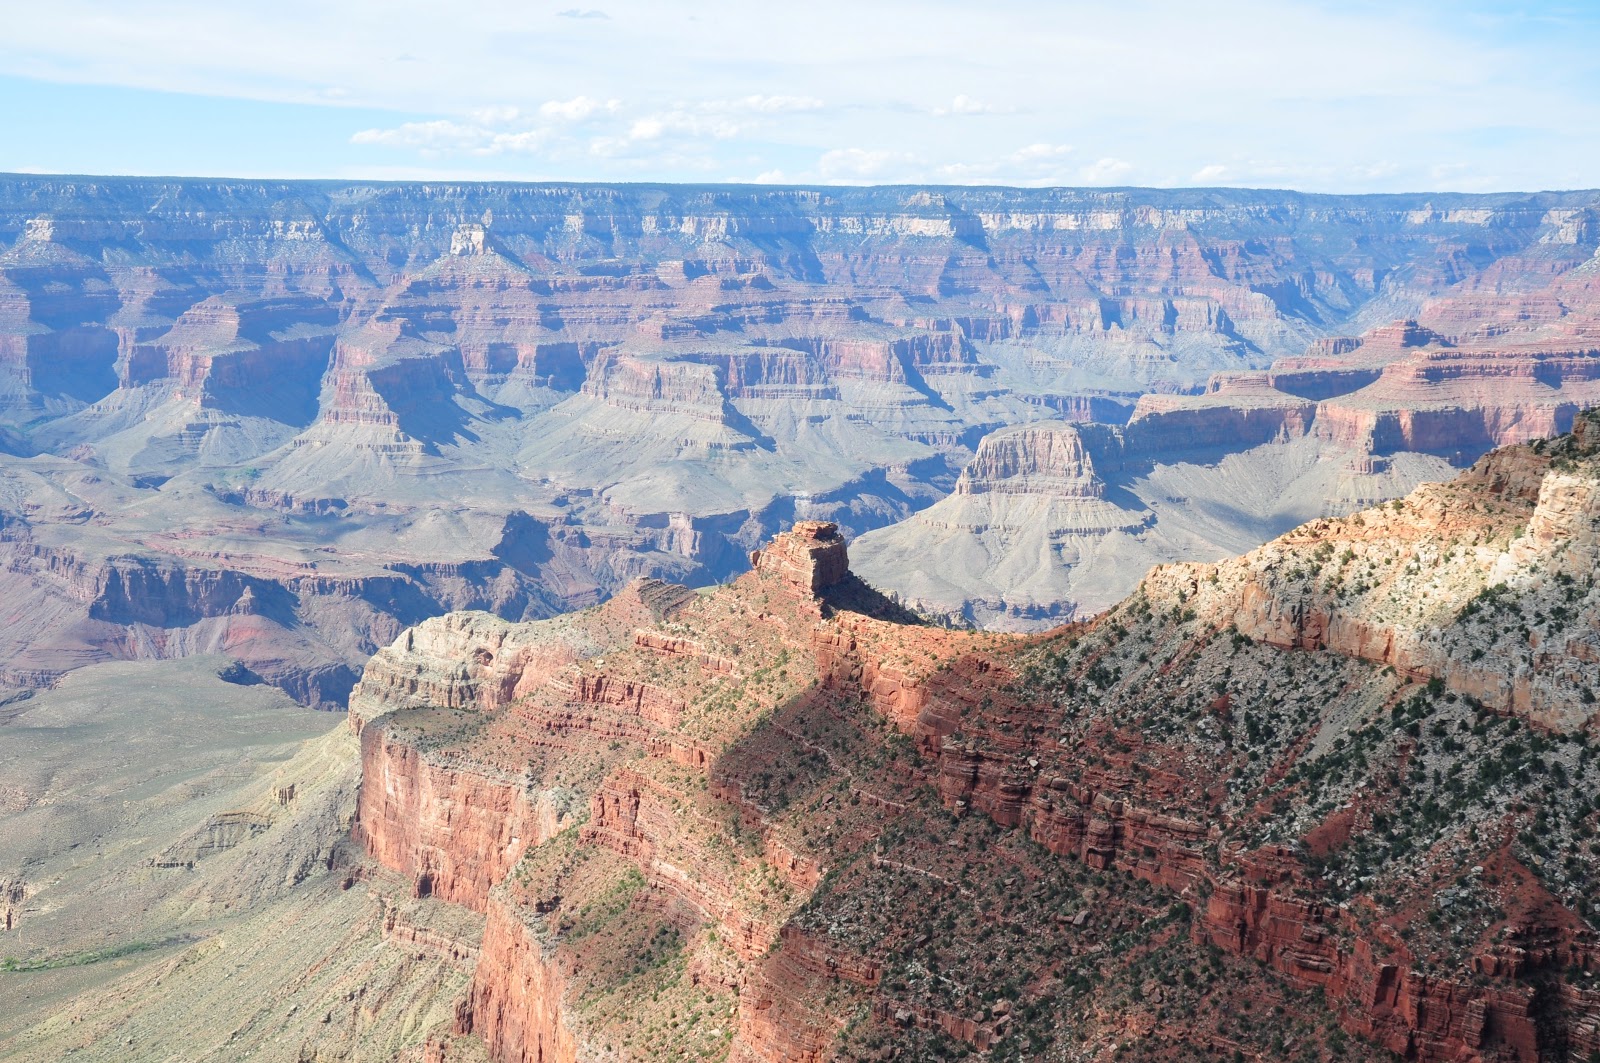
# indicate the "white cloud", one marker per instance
pixel 766 104
pixel 647 129
pixel 1208 175
pixel 442 137
pixel 430 136
pixel 1375 171
pixel 501 115
pixel 577 109
pixel 965 104
pixel 1034 164
pixel 686 123
pixel 858 164
pixel 770 177
pixel 608 147
pixel 528 140
pixel 682 125
pixel 1106 171
pixel 746 87
pixel 964 172
pixel 494 130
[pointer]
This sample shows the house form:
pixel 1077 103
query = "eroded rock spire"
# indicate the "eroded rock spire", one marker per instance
pixel 809 557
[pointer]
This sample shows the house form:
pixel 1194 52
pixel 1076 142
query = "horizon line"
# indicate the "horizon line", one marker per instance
pixel 778 186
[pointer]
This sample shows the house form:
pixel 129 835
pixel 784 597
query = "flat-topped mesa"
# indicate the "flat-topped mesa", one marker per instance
pixel 1401 335
pixel 809 557
pixel 658 386
pixel 1050 458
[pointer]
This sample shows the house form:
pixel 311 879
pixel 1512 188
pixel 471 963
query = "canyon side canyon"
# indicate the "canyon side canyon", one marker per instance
pixel 791 625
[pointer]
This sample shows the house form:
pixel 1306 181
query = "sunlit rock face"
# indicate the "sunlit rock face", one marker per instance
pixel 1331 779
pixel 810 557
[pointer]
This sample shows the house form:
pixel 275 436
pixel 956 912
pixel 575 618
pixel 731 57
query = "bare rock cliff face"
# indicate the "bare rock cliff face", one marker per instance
pixel 799 805
pixel 518 1012
pixel 1050 459
pixel 810 558
pixel 456 832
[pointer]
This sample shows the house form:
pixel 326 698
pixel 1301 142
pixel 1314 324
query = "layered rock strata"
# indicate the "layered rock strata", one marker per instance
pixel 1360 421
pixel 521 397
pixel 854 836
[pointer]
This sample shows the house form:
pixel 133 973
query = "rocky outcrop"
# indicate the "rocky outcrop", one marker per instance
pixel 517 1002
pixel 1236 411
pixel 460 661
pixel 648 386
pixel 297 622
pixel 454 830
pixel 12 893
pixel 1418 585
pixel 1234 782
pixel 1260 911
pixel 234 354
pixel 459 826
pixel 809 558
pixel 1015 544
pixel 1376 403
pixel 1048 459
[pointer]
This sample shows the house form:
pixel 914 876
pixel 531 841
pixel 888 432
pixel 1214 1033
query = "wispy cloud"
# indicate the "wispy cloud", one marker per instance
pixel 1106 171
pixel 1035 153
pixel 1232 92
pixel 577 109
pixel 968 105
pixel 863 164
pixel 759 104
pixel 490 130
pixel 442 137
pixel 721 119
pixel 1033 164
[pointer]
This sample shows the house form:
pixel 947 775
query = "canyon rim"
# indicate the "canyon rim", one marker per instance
pixel 885 533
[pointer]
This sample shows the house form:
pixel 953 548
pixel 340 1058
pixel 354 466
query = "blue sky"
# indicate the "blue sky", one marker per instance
pixel 1323 96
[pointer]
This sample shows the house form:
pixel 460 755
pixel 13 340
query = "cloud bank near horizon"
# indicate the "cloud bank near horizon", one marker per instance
pixel 1307 94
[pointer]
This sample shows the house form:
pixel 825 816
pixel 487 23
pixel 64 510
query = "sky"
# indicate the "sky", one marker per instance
pixel 1317 95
